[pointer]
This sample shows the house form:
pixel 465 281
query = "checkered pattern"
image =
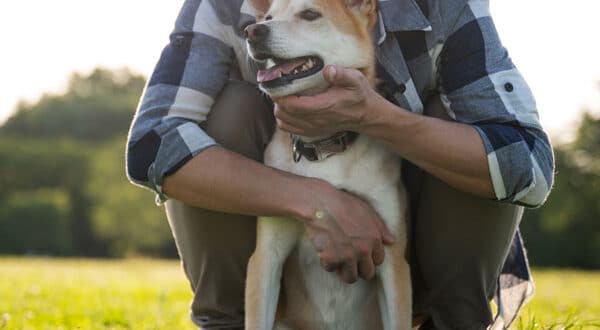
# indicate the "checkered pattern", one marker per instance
pixel 449 47
pixel 423 47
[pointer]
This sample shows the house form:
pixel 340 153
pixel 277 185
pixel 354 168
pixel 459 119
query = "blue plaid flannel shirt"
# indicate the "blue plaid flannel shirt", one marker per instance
pixel 423 47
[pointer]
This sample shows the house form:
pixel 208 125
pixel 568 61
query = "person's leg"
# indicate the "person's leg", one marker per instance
pixel 460 243
pixel 215 247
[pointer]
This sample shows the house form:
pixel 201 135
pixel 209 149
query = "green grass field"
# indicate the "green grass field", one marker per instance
pixel 153 294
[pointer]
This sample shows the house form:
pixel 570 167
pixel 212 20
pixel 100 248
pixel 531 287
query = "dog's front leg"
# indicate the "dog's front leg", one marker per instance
pixel 395 294
pixel 276 237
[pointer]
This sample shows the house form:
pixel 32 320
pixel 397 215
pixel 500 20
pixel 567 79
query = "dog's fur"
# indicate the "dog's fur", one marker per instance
pixel 313 298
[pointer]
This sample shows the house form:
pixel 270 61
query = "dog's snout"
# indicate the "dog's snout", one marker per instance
pixel 257 32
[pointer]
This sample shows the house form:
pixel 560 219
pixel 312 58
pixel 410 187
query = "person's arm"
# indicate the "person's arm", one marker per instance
pixel 450 151
pixel 222 180
pixel 347 233
pixel 168 152
pixel 192 70
pixel 481 87
pixel 496 149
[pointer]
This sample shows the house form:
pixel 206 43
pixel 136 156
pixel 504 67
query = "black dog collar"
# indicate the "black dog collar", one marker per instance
pixel 322 149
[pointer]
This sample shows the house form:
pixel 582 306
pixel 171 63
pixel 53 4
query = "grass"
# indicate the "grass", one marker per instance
pixel 564 299
pixel 92 294
pixel 153 294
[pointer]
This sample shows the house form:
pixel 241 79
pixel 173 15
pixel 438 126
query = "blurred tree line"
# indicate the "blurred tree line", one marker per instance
pixel 63 189
pixel 565 232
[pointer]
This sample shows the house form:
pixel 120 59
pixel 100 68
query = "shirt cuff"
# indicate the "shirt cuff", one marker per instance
pixel 178 146
pixel 516 175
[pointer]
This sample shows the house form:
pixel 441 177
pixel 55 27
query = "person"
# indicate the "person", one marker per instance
pixel 477 156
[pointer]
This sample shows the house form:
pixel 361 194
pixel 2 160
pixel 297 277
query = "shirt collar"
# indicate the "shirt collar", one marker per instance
pixel 403 15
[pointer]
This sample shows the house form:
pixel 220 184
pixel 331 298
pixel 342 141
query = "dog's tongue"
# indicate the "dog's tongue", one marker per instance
pixel 277 71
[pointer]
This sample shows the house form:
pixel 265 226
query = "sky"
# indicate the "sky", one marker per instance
pixel 552 42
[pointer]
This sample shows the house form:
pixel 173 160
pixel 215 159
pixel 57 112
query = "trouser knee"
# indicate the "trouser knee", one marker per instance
pixel 459 245
pixel 241 119
pixel 215 247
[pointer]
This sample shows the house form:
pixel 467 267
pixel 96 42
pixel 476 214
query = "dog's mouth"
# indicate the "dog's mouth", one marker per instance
pixel 284 71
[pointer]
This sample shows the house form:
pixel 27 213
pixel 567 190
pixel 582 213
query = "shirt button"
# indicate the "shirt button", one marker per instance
pixel 509 87
pixel 402 88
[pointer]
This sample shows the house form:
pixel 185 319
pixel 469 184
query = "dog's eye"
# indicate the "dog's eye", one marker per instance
pixel 309 15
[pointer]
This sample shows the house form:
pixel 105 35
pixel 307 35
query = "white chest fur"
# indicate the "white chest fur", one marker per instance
pixel 367 169
pixel 363 169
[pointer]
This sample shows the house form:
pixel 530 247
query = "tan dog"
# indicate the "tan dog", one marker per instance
pixel 296 39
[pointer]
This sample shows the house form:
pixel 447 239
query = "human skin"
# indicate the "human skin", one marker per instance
pixel 347 233
pixel 450 151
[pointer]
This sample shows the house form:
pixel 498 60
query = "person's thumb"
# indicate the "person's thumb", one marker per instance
pixel 340 76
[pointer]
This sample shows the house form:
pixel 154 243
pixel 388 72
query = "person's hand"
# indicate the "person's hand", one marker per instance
pixel 345 106
pixel 348 234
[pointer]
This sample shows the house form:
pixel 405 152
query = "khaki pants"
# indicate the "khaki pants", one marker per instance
pixel 458 242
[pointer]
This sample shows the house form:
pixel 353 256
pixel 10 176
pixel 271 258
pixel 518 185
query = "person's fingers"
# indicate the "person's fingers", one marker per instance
pixel 330 266
pixel 342 77
pixel 289 128
pixel 289 118
pixel 331 259
pixel 366 268
pixel 378 254
pixel 285 101
pixel 349 272
pixel 320 240
pixel 297 104
pixel 330 73
pixel 308 103
pixel 307 126
pixel 387 237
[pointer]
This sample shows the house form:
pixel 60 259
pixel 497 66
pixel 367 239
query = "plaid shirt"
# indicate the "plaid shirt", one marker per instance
pixel 423 47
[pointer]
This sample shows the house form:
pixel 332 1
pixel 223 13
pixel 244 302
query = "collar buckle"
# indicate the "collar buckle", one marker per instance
pixel 321 149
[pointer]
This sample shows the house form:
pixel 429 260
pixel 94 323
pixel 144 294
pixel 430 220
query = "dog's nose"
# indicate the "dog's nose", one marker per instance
pixel 256 32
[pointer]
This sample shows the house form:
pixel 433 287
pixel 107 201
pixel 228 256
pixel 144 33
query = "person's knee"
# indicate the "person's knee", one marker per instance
pixel 214 247
pixel 461 242
pixel 241 119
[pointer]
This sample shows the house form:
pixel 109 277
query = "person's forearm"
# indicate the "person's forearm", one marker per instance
pixel 450 151
pixel 220 180
pixel 344 229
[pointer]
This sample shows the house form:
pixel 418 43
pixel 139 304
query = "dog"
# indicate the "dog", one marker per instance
pixel 295 40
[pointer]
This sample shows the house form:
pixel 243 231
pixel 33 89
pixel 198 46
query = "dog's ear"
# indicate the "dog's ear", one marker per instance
pixel 365 7
pixel 261 6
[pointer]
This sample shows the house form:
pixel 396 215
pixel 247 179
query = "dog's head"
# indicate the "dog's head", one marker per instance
pixel 296 39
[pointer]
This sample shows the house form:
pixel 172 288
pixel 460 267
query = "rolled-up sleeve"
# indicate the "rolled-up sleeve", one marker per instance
pixel 192 70
pixel 481 86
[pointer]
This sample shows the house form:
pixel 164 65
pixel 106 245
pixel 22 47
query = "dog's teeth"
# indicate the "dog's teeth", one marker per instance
pixel 310 63
pixel 270 63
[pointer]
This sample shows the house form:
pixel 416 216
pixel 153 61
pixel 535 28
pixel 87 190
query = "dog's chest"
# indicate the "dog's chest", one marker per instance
pixel 319 297
pixel 320 300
